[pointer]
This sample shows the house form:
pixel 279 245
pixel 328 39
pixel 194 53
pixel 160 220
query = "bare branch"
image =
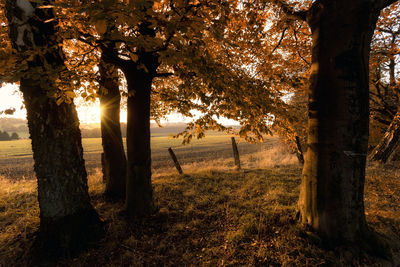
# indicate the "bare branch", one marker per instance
pixel 280 40
pixel 298 51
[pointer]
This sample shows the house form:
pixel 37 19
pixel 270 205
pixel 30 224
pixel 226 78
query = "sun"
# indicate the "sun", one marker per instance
pixel 91 112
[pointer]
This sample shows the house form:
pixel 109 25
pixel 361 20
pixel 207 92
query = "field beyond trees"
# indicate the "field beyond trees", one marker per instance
pixel 17 162
pixel 212 215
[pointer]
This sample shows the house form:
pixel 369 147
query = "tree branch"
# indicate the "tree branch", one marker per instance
pixel 168 74
pixel 280 40
pixel 298 51
pixel 384 122
pixel 286 8
pixel 390 31
pixel 109 55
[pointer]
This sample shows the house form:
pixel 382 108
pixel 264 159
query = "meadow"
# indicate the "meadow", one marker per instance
pixel 16 156
pixel 213 215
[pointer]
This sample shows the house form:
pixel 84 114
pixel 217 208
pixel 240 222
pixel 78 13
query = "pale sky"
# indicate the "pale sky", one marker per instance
pixel 10 97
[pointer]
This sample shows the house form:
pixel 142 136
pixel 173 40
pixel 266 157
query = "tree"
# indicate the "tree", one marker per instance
pixel 114 160
pixel 95 79
pixel 385 49
pixel 67 219
pixel 385 87
pixel 147 37
pixel 389 141
pixel 14 136
pixel 331 193
pixel 4 136
pixel 176 55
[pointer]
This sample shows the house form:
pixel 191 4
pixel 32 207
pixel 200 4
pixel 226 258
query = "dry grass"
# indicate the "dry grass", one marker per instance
pixel 382 202
pixel 269 156
pixel 210 216
pixel 16 156
pixel 19 217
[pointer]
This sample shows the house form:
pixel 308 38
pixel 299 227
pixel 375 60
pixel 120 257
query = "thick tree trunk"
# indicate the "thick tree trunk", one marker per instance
pixel 331 195
pixel 389 141
pixel 67 219
pixel 114 160
pixel 139 191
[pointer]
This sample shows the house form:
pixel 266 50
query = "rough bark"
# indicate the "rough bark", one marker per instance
pixel 139 191
pixel 67 219
pixel 114 159
pixel 139 75
pixel 389 141
pixel 331 195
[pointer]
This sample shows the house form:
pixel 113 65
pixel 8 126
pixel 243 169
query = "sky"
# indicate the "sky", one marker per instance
pixel 10 97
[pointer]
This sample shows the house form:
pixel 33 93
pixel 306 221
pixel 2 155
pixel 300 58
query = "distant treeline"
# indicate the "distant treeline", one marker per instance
pixel 95 132
pixel 91 130
pixel 13 125
pixel 170 128
pixel 5 136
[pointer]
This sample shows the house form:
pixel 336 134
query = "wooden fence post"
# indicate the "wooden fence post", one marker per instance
pixel 235 153
pixel 299 151
pixel 176 162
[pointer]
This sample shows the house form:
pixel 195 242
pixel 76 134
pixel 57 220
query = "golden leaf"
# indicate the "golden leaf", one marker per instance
pixel 59 101
pixel 70 94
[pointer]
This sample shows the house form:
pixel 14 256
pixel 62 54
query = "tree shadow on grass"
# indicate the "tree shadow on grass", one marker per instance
pixel 215 218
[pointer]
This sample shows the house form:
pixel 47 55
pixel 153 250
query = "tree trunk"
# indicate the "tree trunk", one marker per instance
pixel 389 141
pixel 331 194
pixel 67 219
pixel 114 160
pixel 139 191
pixel 392 72
pixel 299 151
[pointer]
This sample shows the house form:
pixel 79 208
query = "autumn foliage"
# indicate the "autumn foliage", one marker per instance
pixel 307 71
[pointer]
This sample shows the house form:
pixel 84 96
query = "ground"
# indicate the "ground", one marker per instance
pixel 212 215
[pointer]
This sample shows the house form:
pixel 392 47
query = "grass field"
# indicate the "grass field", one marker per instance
pixel 16 156
pixel 211 216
